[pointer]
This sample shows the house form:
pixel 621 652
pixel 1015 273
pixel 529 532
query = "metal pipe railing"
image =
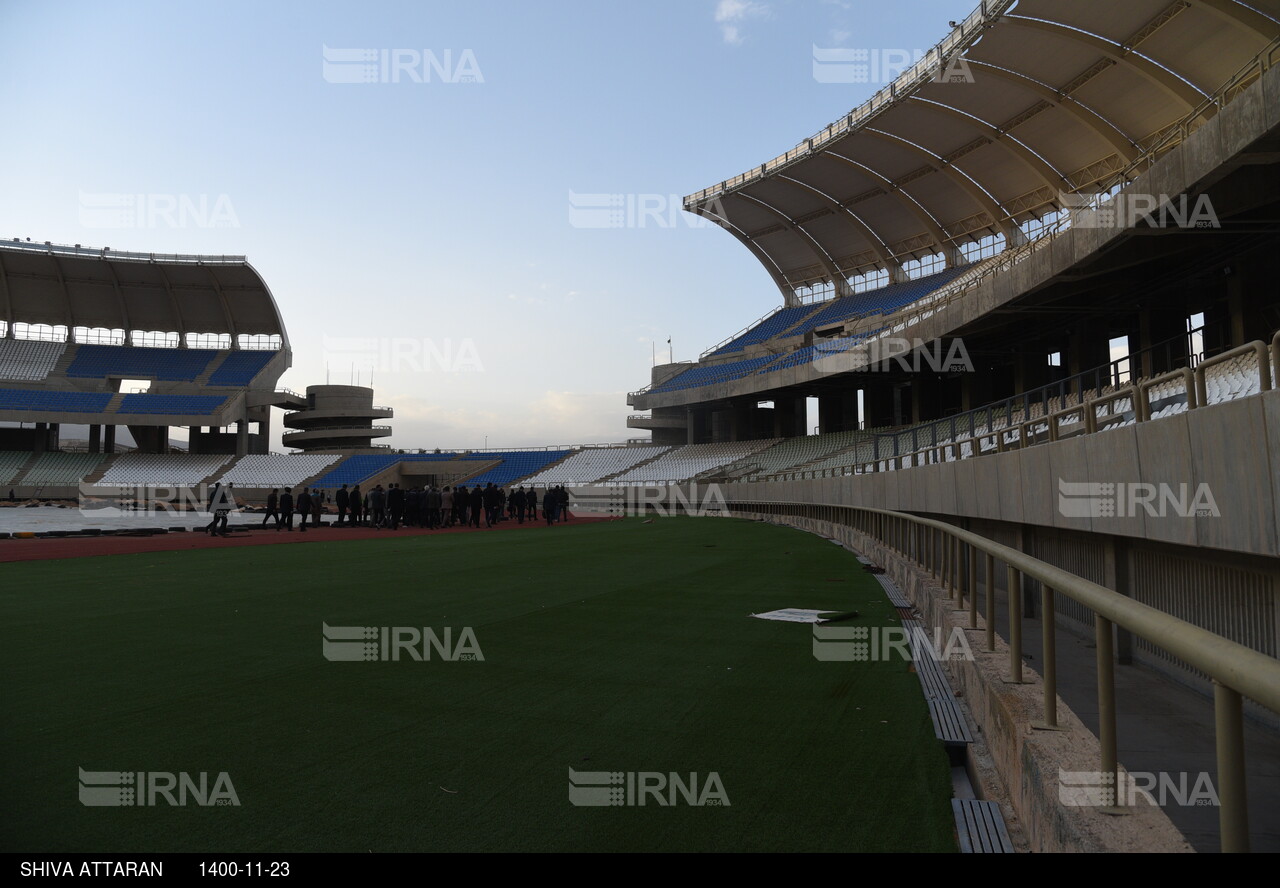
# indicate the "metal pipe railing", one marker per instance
pixel 1257 347
pixel 1236 670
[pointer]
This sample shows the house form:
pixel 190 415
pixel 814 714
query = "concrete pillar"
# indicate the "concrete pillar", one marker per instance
pixel 1147 365
pixel 109 439
pixel 834 414
pixel 95 439
pixel 242 437
pixel 1235 308
pixel 42 437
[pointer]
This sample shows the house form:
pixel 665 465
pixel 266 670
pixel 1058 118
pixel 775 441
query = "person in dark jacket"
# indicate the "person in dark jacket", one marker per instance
pixel 490 498
pixel 378 505
pixel 395 505
pixel 304 507
pixel 475 505
pixel 517 504
pixel 286 511
pixel 356 502
pixel 413 507
pixel 212 527
pixel 343 500
pixel 273 508
pixel 563 503
pixel 549 506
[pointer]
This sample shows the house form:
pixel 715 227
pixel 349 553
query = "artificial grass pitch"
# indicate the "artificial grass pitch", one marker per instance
pixel 618 647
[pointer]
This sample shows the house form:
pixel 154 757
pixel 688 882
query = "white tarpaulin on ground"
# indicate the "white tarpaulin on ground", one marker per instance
pixel 794 615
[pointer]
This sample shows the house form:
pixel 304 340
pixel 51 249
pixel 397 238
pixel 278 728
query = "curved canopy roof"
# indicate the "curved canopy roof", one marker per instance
pixel 1025 101
pixel 81 287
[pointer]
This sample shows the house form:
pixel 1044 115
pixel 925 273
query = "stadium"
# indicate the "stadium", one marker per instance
pixel 1018 590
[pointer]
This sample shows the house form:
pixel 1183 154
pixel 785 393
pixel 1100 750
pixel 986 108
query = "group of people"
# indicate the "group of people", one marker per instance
pixel 427 507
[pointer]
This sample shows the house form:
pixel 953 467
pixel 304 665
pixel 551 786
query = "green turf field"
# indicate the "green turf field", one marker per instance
pixel 607 647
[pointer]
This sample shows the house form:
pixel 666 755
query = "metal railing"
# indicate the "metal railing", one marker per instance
pixel 1010 426
pixel 108 253
pixel 950 554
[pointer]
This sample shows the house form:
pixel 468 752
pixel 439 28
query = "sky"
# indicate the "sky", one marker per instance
pixel 431 222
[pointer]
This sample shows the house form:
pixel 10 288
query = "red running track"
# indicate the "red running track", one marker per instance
pixel 85 547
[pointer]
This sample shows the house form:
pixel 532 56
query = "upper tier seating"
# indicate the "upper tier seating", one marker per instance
pixel 54 401
pixel 708 374
pixel 593 463
pixel 172 405
pixel 162 470
pixel 277 469
pixel 168 364
pixel 684 463
pixel 28 358
pixel 62 468
pixel 882 301
pixel 770 327
pixel 240 367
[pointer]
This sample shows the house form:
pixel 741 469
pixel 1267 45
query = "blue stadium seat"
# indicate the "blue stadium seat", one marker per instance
pixel 771 326
pixel 167 364
pixel 173 405
pixel 240 367
pixel 881 301
pixel 701 375
pixel 355 469
pixel 68 402
pixel 515 465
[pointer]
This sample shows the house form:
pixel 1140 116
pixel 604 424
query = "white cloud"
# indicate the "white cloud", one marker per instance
pixel 732 14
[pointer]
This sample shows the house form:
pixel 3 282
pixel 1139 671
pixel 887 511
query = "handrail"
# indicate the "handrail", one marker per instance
pixel 1275 356
pixel 108 253
pixel 1146 385
pixel 1091 406
pixel 1235 669
pixel 1258 347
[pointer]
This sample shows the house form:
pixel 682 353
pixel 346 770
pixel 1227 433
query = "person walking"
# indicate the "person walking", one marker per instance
pixel 475 505
pixel 563 504
pixel 304 507
pixel 317 506
pixel 286 511
pixel 446 507
pixel 395 505
pixel 210 528
pixel 273 508
pixel 378 505
pixel 549 506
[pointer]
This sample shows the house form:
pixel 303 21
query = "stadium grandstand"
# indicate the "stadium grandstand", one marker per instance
pixel 143 341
